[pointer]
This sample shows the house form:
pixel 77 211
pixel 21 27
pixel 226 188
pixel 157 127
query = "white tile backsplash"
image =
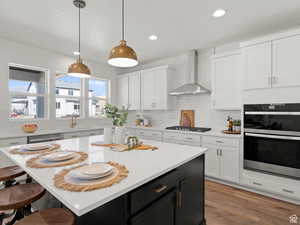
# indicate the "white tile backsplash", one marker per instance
pixel 205 116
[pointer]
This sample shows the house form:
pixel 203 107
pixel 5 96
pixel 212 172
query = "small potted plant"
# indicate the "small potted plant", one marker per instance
pixel 119 119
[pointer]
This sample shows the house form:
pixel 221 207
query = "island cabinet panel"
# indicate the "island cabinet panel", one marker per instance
pixel 190 203
pixel 160 212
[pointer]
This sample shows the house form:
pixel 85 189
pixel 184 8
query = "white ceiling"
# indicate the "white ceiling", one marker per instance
pixel 180 24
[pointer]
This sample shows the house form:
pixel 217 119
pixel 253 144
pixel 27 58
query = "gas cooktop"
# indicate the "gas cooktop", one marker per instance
pixel 193 129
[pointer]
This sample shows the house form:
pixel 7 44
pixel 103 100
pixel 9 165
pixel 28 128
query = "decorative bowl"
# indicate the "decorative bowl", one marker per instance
pixel 29 128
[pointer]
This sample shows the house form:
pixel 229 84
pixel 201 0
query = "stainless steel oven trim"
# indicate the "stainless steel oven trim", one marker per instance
pixel 274 136
pixel 271 168
pixel 273 113
pixel 275 132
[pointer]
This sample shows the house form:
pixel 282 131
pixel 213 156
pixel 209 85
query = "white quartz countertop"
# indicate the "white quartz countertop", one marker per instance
pixel 6 135
pixel 143 167
pixel 213 132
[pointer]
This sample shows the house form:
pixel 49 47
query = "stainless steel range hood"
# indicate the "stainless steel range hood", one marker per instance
pixel 192 87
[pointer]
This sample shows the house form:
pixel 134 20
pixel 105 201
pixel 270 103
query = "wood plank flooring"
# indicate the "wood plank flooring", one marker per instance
pixel 231 206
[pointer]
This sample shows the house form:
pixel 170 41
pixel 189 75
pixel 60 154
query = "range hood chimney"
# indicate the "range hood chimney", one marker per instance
pixel 193 87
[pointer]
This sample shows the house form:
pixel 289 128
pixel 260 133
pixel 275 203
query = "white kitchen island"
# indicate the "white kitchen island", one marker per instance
pixel 143 166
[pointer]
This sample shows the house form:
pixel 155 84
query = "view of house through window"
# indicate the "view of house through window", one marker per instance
pixel 27 93
pixel 98 96
pixel 68 93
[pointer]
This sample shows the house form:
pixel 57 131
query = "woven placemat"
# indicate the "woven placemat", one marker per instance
pixel 65 181
pixel 125 147
pixel 39 162
pixel 20 151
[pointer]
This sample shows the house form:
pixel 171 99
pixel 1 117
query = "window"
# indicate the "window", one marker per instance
pixel 68 96
pixel 98 93
pixel 27 87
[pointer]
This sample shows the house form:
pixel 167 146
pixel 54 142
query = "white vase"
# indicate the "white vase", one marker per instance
pixel 120 135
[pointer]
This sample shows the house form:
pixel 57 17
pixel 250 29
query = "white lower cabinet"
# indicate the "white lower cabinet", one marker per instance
pixel 221 160
pixel 182 138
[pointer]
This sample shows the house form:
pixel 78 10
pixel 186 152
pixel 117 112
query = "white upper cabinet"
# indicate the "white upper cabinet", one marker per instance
pixel 154 89
pixel 134 91
pixel 286 67
pixel 257 62
pixel 123 91
pixel 226 81
pixel 272 61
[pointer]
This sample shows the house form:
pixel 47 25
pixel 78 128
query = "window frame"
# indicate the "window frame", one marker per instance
pixel 46 94
pixel 88 98
pixel 80 97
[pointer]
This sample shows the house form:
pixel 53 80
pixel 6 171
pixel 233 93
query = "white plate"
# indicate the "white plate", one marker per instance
pixel 96 169
pixel 36 147
pixel 78 174
pixel 59 156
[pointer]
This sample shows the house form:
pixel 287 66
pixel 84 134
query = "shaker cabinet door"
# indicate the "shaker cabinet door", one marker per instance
pixel 227 93
pixel 147 90
pixel 229 164
pixel 161 212
pixel 257 66
pixel 134 91
pixel 286 69
pixel 212 162
pixel 123 91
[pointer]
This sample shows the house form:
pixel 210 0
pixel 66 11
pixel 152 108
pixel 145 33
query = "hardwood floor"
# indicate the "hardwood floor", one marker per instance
pixel 231 206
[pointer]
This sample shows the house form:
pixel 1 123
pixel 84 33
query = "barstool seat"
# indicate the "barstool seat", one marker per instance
pixel 56 216
pixel 18 196
pixel 10 172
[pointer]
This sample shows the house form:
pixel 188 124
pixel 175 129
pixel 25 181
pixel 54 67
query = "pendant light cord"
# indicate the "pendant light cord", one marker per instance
pixel 79 32
pixel 123 18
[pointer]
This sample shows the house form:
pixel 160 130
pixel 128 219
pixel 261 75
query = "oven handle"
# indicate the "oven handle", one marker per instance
pixel 274 136
pixel 272 113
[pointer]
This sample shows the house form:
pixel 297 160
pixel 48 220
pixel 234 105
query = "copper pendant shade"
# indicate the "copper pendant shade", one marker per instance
pixel 78 69
pixel 123 55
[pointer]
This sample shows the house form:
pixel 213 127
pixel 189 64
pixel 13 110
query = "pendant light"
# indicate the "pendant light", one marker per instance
pixel 122 55
pixel 78 69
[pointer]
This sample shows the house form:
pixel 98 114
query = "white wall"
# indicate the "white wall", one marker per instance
pixel 12 52
pixel 204 114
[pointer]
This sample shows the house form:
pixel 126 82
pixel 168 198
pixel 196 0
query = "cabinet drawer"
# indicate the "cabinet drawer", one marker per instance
pixel 13 141
pixel 185 139
pixel 288 191
pixel 220 141
pixel 151 135
pixel 260 184
pixel 153 190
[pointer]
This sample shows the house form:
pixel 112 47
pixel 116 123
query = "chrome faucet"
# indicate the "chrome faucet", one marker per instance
pixel 73 120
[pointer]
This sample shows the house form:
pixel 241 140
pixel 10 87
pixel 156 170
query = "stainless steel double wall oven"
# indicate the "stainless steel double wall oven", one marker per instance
pixel 272 139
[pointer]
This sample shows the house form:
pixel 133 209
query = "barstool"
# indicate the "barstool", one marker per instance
pixel 56 216
pixel 8 175
pixel 18 198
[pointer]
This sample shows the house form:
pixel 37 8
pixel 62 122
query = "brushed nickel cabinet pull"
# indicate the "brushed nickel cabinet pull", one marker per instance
pixel 179 199
pixel 220 142
pixel 160 189
pixel 259 184
pixel 288 191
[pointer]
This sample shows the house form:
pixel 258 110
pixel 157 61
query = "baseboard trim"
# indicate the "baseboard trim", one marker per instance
pixel 245 188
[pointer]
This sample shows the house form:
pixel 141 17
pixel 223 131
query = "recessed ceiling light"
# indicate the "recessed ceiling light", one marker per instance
pixel 76 53
pixel 153 37
pixel 219 13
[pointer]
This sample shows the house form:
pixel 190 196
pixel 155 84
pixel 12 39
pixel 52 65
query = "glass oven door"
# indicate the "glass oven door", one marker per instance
pixel 272 153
